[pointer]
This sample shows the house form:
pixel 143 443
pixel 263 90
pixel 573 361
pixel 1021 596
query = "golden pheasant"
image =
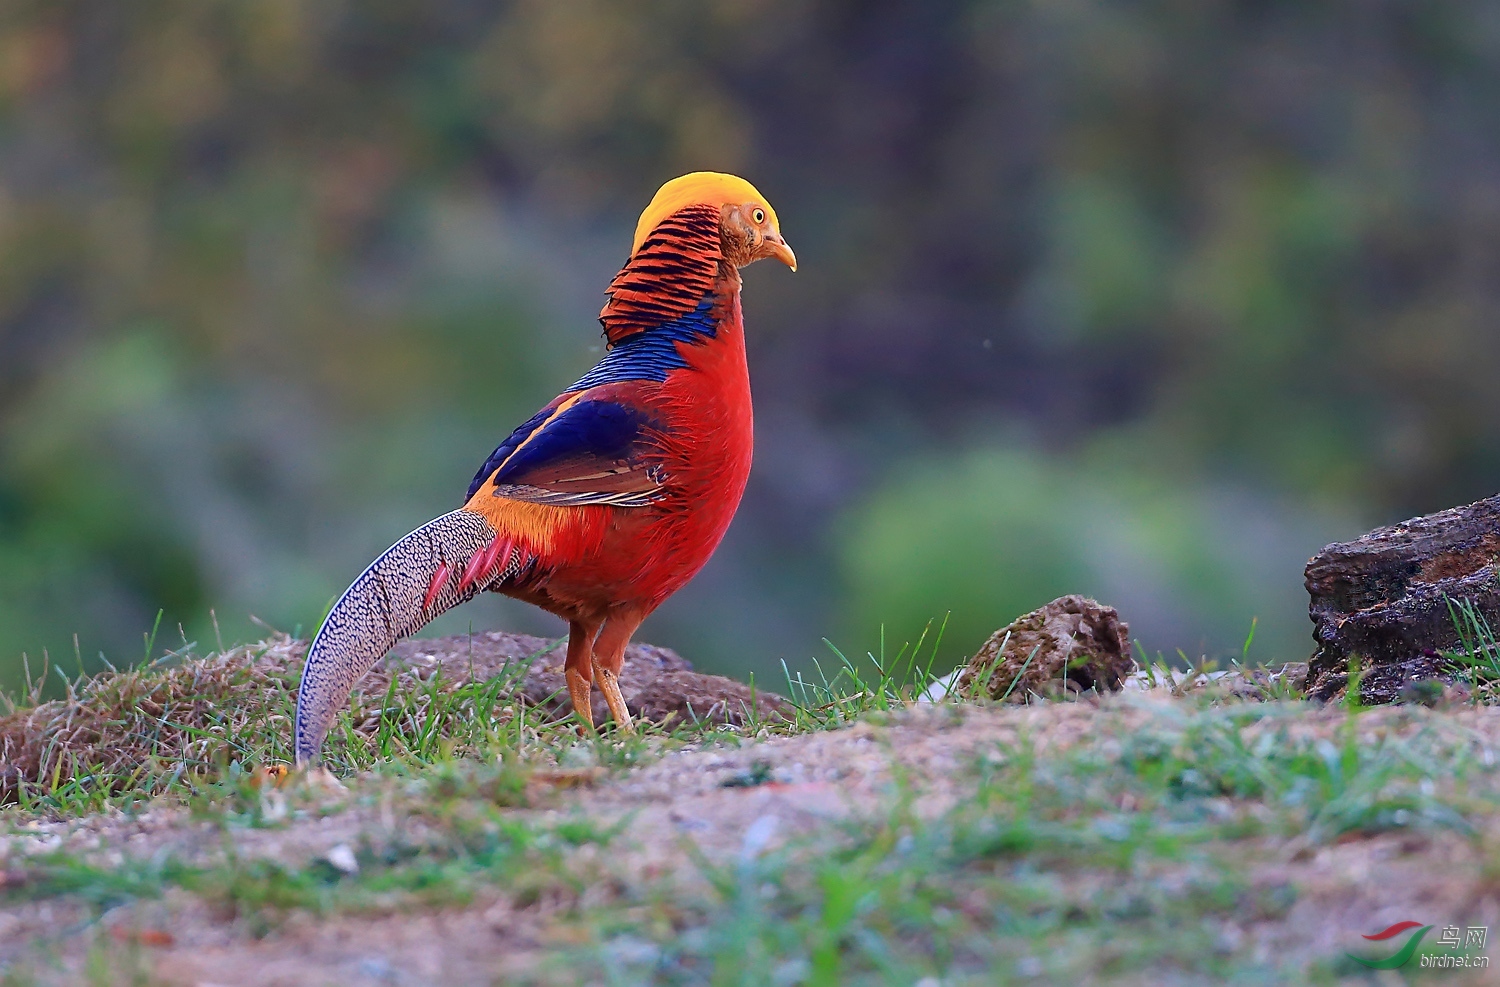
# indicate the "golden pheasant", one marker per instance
pixel 614 495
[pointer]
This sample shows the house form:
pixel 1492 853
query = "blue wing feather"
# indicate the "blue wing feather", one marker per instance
pixel 596 450
pixel 587 431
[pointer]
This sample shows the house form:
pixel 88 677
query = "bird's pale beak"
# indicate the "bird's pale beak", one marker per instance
pixel 781 251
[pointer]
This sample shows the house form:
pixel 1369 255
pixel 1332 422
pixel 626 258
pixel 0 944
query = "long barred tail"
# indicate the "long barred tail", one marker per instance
pixel 443 563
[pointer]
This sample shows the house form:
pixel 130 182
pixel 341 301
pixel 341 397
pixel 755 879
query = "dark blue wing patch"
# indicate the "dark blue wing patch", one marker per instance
pixel 652 354
pixel 602 431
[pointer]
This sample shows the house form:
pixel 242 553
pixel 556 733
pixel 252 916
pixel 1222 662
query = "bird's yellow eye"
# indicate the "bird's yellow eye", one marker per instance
pixel 759 215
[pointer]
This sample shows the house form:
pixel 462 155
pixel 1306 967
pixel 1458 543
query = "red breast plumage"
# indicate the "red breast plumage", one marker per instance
pixel 614 495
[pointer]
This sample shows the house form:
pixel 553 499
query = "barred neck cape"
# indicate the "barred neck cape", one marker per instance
pixel 668 275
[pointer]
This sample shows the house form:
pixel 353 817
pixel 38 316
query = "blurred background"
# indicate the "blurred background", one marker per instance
pixel 1146 300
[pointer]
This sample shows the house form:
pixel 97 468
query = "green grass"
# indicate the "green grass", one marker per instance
pixel 468 844
pixel 173 725
pixel 179 725
pixel 1135 853
pixel 878 683
pixel 1039 871
pixel 1477 658
pixel 1128 855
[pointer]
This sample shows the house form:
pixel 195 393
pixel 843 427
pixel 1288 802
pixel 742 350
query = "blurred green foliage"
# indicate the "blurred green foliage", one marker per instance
pixel 1001 531
pixel 1147 299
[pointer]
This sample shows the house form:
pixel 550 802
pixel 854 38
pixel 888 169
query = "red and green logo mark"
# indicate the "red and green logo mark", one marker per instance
pixel 1402 955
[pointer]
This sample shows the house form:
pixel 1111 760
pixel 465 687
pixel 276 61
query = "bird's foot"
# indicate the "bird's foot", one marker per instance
pixel 580 690
pixel 320 779
pixel 609 684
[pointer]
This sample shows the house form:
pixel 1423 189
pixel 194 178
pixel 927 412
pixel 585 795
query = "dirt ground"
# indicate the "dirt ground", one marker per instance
pixel 811 783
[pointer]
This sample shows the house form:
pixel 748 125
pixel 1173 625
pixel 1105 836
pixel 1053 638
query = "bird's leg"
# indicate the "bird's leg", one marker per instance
pixel 609 657
pixel 578 669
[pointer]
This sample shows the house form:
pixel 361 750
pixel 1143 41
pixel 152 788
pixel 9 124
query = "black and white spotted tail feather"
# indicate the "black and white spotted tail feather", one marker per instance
pixel 381 607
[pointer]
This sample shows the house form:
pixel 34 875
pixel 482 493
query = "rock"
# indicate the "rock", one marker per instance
pixel 1385 598
pixel 1072 643
pixel 658 684
pixel 342 859
pixel 1294 673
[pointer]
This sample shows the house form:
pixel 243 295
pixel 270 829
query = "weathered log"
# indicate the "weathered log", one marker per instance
pixel 1388 600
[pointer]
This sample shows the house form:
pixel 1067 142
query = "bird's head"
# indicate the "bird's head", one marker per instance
pixel 748 225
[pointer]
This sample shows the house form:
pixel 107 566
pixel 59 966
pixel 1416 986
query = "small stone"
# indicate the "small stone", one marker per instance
pixel 632 951
pixel 758 837
pixel 1070 645
pixel 380 969
pixel 342 859
pixel 1423 692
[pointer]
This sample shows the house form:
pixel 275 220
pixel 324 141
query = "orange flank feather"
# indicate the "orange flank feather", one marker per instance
pixel 540 528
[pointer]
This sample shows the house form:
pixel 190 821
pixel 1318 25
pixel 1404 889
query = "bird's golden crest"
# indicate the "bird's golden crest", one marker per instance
pixel 698 188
